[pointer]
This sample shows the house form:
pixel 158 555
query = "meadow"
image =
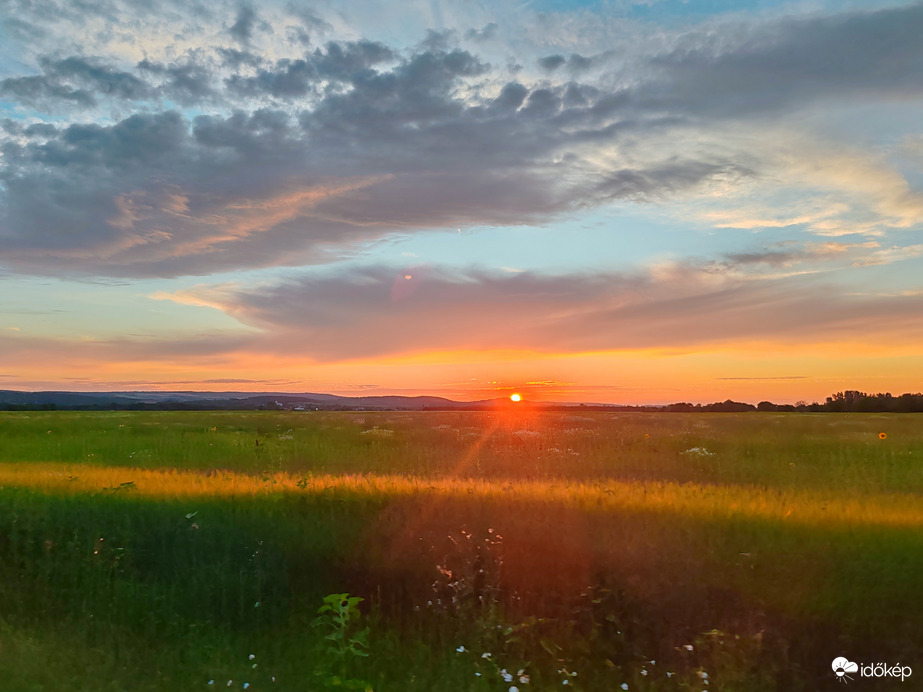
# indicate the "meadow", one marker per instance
pixel 504 550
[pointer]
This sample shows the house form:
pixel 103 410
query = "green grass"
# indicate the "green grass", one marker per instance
pixel 595 543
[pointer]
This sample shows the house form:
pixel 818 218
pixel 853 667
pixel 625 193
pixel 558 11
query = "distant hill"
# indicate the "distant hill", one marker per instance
pixel 10 399
pixel 848 401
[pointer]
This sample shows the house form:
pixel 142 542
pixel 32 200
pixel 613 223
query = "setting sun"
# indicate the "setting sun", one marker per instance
pixel 515 397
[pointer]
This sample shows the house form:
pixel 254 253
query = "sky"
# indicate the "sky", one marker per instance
pixel 622 201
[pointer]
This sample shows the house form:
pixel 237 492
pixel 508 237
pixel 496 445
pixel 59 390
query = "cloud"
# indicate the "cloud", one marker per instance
pixel 288 78
pixel 753 379
pixel 413 152
pixel 730 69
pixel 79 81
pixel 186 82
pixel 232 144
pixel 39 91
pixel 551 62
pixel 377 311
pixel 242 28
pixel 816 254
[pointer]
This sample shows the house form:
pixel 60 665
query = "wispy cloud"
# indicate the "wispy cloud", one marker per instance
pixel 678 306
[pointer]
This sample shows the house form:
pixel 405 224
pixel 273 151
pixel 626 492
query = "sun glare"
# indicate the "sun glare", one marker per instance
pixel 515 397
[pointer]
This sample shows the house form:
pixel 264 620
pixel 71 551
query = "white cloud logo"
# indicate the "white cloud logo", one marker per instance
pixel 842 666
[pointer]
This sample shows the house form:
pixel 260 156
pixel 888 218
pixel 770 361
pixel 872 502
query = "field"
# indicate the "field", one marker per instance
pixel 493 551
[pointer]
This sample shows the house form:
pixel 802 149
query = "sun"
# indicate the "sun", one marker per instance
pixel 515 397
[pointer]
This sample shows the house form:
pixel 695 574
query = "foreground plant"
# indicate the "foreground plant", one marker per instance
pixel 340 617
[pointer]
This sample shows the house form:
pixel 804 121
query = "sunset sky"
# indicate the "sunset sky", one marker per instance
pixel 626 201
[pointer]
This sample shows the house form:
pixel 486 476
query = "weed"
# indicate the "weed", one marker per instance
pixel 340 617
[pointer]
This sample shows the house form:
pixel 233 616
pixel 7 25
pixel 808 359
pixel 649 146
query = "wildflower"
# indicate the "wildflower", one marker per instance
pixel 507 677
pixel 643 671
pixel 624 685
pixel 524 679
pixel 703 674
pixel 211 682
pixel 882 436
pixel 246 685
pixel 699 451
pixel 688 647
pixel 486 655
pixel 251 657
pixel 513 688
pixel 669 674
pixel 230 682
pixel 565 681
pixel 461 649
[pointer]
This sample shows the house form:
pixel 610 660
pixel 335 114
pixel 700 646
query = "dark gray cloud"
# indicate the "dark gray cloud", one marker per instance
pixel 244 24
pixel 38 91
pixel 346 63
pixel 551 62
pixel 81 81
pixel 486 33
pixel 98 76
pixel 663 179
pixel 235 59
pixel 762 68
pixel 188 82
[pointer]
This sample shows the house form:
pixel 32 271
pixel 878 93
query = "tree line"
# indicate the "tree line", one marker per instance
pixel 849 401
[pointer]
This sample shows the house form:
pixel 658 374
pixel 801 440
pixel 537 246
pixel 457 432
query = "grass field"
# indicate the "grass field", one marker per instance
pixel 152 551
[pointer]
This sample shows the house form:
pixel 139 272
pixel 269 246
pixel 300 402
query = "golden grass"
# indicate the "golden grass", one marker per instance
pixel 695 500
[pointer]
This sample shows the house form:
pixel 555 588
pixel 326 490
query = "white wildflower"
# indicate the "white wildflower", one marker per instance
pixel 461 649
